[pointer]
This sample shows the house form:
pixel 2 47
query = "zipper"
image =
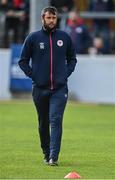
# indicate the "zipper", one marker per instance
pixel 51 63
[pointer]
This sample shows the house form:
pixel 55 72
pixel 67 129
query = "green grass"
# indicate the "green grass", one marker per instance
pixel 88 143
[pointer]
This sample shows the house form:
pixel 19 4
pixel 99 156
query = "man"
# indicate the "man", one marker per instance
pixel 53 60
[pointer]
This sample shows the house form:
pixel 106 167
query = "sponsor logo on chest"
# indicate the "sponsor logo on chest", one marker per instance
pixel 41 44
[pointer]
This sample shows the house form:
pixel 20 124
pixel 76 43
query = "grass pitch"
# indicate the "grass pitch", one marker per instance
pixel 88 143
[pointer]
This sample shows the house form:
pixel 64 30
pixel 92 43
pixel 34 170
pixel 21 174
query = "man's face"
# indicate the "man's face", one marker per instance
pixel 49 20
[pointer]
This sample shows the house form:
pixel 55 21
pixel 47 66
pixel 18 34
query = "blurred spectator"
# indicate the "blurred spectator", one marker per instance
pixel 15 18
pixel 97 47
pixel 101 26
pixel 113 43
pixel 3 5
pixel 63 6
pixel 2 20
pixel 78 32
pixel 25 20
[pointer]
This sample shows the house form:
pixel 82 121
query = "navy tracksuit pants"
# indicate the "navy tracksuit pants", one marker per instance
pixel 50 105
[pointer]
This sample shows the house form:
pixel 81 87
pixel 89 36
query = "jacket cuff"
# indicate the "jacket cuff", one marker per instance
pixel 29 74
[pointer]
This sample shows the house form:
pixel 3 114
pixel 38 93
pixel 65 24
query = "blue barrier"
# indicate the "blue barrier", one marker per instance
pixel 18 80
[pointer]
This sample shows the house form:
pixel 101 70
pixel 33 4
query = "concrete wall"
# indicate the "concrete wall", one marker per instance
pixel 4 74
pixel 93 79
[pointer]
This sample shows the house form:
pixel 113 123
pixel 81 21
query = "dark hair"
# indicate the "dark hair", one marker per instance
pixel 49 9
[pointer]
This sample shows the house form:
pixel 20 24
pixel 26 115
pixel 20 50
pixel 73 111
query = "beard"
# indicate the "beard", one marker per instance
pixel 47 26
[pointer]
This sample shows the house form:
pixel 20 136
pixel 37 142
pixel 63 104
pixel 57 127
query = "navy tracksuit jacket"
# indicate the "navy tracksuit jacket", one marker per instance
pixel 53 59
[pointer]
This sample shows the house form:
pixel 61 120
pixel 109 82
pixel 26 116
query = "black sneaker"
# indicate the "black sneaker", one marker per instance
pixel 53 163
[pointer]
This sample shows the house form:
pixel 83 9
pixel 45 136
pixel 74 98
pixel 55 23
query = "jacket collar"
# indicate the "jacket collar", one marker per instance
pixel 48 32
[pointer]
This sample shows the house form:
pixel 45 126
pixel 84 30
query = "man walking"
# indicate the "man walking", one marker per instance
pixel 53 60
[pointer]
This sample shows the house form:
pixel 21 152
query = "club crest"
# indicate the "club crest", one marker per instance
pixel 60 43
